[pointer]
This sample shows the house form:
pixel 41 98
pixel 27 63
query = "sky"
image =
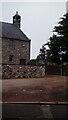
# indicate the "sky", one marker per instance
pixel 37 19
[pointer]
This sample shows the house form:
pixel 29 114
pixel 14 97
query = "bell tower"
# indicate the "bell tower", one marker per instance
pixel 17 19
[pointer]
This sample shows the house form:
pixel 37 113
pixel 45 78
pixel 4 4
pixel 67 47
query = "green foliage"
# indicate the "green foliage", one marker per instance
pixel 41 59
pixel 59 39
pixel 32 62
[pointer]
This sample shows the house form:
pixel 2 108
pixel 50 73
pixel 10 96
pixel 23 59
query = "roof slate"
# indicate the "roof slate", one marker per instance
pixel 11 31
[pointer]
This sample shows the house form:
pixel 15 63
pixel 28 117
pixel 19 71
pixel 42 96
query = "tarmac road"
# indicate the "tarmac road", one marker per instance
pixel 32 111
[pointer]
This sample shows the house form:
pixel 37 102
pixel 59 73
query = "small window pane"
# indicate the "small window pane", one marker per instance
pixel 11 58
pixel 11 43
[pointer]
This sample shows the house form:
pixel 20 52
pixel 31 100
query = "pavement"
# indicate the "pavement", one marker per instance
pixel 33 111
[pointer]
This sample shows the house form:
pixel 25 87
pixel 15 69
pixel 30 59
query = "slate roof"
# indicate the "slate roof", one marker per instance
pixel 8 30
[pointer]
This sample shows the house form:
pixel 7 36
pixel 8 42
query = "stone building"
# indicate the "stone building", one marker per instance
pixel 15 52
pixel 14 44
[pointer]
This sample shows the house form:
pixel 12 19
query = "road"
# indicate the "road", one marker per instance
pixel 26 99
pixel 47 89
pixel 33 111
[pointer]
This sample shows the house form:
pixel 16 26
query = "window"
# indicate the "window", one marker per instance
pixel 23 45
pixel 11 58
pixel 22 61
pixel 11 44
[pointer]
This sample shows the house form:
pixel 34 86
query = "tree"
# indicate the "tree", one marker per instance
pixel 32 62
pixel 58 43
pixel 41 58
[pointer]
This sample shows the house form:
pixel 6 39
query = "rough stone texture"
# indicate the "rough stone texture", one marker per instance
pixel 0 58
pixel 21 50
pixel 0 71
pixel 22 71
pixel 0 50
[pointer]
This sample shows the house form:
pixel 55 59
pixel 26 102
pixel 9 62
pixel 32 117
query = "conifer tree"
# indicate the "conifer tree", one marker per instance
pixel 58 43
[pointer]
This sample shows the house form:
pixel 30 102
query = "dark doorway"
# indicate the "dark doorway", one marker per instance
pixel 22 61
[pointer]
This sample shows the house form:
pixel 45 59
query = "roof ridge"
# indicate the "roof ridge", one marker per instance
pixel 10 30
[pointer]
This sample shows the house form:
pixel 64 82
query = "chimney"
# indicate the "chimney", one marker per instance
pixel 17 19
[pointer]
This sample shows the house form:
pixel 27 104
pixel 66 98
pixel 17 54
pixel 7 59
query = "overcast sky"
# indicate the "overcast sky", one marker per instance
pixel 37 20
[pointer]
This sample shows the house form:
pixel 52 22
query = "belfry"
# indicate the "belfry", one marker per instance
pixel 17 19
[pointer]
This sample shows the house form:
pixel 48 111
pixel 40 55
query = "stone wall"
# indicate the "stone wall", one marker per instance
pixel 0 51
pixel 0 71
pixel 22 71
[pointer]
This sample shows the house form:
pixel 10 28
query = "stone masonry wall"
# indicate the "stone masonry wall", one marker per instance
pixel 21 50
pixel 22 71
